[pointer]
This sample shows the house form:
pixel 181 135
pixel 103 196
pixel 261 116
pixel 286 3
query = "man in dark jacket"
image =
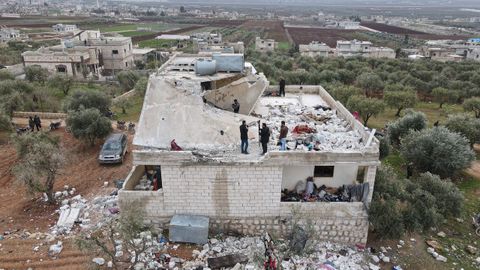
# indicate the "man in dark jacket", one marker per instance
pixel 282 87
pixel 264 137
pixel 236 106
pixel 31 123
pixel 244 137
pixel 38 123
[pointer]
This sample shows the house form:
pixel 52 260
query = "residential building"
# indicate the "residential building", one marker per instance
pixel 64 28
pixel 116 53
pixel 362 48
pixel 209 38
pixel 265 45
pixel 315 49
pixel 87 52
pixel 226 47
pixel 7 34
pixel 188 139
pixel 350 25
pixel 78 62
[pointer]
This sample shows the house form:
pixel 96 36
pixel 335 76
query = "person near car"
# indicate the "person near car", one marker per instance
pixel 264 137
pixel 283 136
pixel 244 137
pixel 38 122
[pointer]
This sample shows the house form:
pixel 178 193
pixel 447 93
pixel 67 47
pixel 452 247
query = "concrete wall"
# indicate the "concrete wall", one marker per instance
pixel 242 198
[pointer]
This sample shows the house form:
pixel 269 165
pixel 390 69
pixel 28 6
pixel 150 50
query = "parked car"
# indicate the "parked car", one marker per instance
pixel 114 149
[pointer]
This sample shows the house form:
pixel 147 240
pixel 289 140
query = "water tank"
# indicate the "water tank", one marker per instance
pixel 205 67
pixel 229 62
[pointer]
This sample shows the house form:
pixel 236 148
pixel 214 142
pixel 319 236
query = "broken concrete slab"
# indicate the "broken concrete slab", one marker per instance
pixel 226 261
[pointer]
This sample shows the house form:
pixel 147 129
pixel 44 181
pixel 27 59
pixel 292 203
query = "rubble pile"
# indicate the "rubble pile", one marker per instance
pixel 88 214
pixel 312 128
pixel 144 184
pixel 309 192
pixel 249 250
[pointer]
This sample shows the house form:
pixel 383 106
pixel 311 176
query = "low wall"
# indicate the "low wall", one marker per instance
pixel 340 222
pixel 44 115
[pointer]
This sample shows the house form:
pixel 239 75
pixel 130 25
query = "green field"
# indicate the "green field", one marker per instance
pixel 130 29
pixel 431 110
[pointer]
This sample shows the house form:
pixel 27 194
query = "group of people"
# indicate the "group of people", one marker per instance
pixel 34 122
pixel 264 134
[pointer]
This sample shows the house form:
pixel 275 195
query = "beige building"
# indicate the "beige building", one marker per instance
pixel 251 193
pixel 315 49
pixel 226 47
pixel 78 62
pixel 116 53
pixel 265 45
pixel 354 48
pixel 7 34
pixel 87 52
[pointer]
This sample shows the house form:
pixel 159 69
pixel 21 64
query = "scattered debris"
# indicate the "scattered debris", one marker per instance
pixel 442 234
pixel 99 261
pixel 471 249
pixel 55 249
pixel 226 261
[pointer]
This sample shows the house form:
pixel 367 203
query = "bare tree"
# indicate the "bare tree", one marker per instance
pixel 40 160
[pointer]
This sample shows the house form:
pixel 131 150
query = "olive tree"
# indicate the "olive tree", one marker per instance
pixel 40 161
pixel 443 95
pixel 141 86
pixel 88 125
pixel 366 107
pixel 61 82
pixel 6 75
pixel 128 79
pixel 400 100
pixel 88 99
pixel 36 73
pixel 465 125
pixel 369 82
pixel 343 92
pixel 472 105
pixel 437 150
pixel 411 121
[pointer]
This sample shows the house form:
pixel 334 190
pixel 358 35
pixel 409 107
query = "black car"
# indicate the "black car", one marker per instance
pixel 114 149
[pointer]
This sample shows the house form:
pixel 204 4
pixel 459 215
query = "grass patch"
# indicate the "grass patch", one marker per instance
pixel 283 45
pixel 431 110
pixel 397 162
pixel 133 111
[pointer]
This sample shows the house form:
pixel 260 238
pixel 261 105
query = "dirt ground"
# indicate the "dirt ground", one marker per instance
pixel 329 36
pixel 474 170
pixel 21 213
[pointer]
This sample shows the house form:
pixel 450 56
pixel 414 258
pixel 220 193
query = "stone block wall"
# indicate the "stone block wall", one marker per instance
pixel 244 199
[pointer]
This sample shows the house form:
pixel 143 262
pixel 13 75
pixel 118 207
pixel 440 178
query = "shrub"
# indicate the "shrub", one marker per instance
pixel 465 125
pixel 88 99
pixel 401 127
pixel 88 125
pixel 386 219
pixel 128 79
pixel 384 147
pixel 6 75
pixel 472 105
pixel 141 86
pixel 437 150
pixel 36 74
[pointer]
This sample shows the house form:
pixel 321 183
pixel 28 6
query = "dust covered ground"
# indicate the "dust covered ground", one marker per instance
pixel 22 215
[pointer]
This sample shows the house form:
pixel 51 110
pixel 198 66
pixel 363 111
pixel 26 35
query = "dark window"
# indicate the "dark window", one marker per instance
pixel 61 68
pixel 361 173
pixel 114 51
pixel 323 171
pixel 126 64
pixel 125 50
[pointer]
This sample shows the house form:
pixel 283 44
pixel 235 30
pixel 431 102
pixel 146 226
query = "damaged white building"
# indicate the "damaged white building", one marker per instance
pixel 188 102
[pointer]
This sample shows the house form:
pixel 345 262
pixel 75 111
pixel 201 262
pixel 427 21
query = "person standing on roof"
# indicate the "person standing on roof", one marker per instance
pixel 281 91
pixel 283 136
pixel 264 137
pixel 244 137
pixel 236 106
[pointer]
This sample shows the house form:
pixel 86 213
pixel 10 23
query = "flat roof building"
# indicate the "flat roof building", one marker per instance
pixel 362 48
pixel 188 139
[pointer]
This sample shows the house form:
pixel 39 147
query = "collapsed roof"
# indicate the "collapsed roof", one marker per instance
pixel 195 110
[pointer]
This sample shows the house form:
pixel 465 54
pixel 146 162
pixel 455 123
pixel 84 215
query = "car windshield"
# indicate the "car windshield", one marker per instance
pixel 111 146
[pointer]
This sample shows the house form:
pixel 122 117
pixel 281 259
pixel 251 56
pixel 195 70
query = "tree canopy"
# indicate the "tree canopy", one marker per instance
pixel 88 125
pixel 366 107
